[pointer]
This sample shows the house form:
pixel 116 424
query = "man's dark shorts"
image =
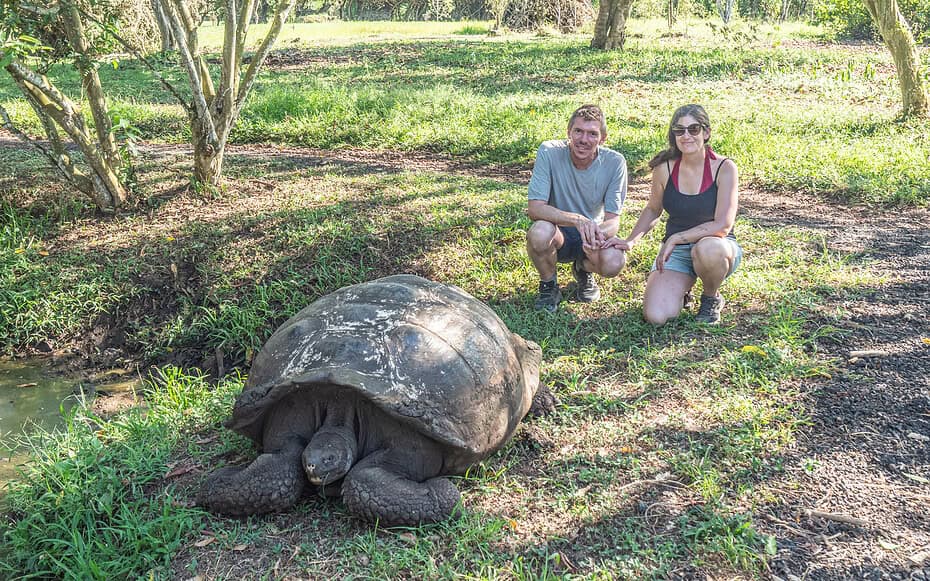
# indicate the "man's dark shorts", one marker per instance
pixel 573 248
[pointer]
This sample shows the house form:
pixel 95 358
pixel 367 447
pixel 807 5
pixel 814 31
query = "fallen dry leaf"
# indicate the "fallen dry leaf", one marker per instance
pixel 203 441
pixel 31 384
pixel 582 491
pixel 204 542
pixel 241 547
pixel 175 472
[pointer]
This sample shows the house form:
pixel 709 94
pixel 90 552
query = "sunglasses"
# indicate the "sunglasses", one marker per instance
pixel 693 129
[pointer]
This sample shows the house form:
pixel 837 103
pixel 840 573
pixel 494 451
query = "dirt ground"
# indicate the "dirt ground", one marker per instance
pixel 864 462
pixel 855 494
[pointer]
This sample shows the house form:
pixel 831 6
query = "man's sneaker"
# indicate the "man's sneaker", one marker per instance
pixel 587 290
pixel 549 296
pixel 709 311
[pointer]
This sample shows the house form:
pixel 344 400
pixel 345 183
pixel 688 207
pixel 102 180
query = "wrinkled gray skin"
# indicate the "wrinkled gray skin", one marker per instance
pixel 378 392
pixel 395 482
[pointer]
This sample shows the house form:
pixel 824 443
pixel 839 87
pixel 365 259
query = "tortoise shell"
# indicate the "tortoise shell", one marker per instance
pixel 428 354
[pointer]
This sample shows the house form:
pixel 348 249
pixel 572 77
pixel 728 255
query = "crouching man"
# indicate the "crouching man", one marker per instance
pixel 576 194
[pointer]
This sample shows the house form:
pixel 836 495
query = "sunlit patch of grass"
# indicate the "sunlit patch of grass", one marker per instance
pixel 730 536
pixel 387 86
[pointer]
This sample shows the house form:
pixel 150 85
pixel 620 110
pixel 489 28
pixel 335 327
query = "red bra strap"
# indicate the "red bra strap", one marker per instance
pixel 708 177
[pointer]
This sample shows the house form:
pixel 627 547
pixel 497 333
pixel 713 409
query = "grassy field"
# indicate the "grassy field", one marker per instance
pixel 666 441
pixel 798 114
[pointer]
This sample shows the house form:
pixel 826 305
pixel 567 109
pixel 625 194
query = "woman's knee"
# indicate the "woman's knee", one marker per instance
pixel 710 249
pixel 656 318
pixel 657 312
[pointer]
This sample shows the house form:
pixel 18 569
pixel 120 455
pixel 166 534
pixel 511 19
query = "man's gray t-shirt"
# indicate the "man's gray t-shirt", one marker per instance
pixel 590 192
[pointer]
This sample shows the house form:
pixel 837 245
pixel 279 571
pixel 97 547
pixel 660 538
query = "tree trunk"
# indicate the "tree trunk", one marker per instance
pixel 213 113
pixel 672 12
pixel 898 38
pixel 785 9
pixel 610 27
pixel 725 9
pixel 164 28
pixel 55 110
pixel 209 152
pixel 208 163
pixel 90 80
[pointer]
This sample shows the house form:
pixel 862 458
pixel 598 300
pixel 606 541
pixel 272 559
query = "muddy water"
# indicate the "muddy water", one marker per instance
pixel 32 395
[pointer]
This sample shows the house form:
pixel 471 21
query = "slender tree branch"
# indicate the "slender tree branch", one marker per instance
pixel 107 191
pixel 96 100
pixel 229 77
pixel 201 108
pixel 52 157
pixel 138 54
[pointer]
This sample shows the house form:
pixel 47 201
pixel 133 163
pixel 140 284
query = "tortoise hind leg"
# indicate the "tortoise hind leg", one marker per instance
pixel 273 481
pixel 376 491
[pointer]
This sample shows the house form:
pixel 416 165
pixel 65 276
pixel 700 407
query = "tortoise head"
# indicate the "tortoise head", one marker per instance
pixel 329 455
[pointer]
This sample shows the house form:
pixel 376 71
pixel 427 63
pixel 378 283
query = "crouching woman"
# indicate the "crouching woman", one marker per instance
pixel 699 191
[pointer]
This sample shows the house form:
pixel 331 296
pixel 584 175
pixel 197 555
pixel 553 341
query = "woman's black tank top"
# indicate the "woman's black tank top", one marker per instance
pixel 685 211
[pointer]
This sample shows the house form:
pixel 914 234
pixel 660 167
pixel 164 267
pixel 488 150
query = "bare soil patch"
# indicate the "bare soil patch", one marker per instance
pixel 866 453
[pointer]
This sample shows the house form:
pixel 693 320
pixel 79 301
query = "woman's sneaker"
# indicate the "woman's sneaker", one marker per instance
pixel 687 302
pixel 549 296
pixel 587 291
pixel 709 311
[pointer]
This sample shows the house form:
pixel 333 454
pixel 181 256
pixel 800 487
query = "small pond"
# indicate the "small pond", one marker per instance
pixel 33 394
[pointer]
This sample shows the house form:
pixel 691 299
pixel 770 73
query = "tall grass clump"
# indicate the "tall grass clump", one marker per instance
pixel 90 504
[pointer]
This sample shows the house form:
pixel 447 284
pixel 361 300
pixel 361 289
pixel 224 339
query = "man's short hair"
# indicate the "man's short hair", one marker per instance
pixel 589 113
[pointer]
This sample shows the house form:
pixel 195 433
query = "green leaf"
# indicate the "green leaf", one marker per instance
pixel 771 546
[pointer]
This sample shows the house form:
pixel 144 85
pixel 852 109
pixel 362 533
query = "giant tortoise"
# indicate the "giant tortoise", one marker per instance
pixel 377 392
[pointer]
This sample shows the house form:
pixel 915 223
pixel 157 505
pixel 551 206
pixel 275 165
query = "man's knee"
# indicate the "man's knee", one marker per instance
pixel 611 262
pixel 541 235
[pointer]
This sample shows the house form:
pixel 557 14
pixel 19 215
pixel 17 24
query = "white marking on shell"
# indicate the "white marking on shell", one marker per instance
pixel 302 356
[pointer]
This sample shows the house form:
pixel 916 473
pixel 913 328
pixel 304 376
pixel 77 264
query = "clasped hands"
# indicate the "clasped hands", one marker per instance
pixel 593 238
pixel 665 252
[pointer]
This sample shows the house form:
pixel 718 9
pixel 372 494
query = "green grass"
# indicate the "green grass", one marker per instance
pixel 705 414
pixel 667 440
pixel 85 508
pixel 796 116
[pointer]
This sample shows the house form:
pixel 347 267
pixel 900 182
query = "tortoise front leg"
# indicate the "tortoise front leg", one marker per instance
pixel 378 491
pixel 273 481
